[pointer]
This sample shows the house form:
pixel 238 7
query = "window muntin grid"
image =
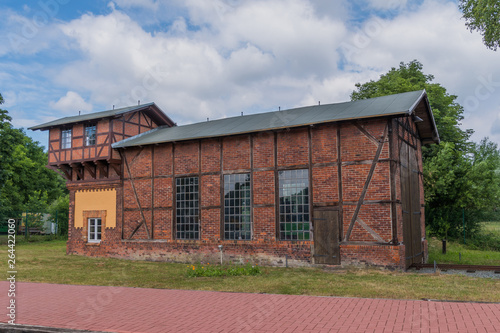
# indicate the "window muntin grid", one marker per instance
pixel 187 208
pixel 66 139
pixel 294 215
pixel 237 207
pixel 90 135
pixel 94 230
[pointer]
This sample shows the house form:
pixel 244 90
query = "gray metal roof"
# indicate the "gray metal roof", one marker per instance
pixel 390 105
pixel 94 115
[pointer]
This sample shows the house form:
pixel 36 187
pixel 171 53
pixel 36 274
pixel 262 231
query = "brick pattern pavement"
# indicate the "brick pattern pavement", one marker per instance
pixel 120 309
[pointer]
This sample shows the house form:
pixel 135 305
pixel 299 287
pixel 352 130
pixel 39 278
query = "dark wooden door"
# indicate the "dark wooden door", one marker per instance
pixel 410 199
pixel 326 237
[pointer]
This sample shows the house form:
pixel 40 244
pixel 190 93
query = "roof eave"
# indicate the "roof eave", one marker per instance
pixel 151 108
pixel 430 117
pixel 119 144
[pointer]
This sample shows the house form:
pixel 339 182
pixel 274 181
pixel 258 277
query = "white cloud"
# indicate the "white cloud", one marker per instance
pixel 256 54
pixel 148 4
pixel 435 35
pixel 387 4
pixel 71 103
pixel 220 57
pixel 30 33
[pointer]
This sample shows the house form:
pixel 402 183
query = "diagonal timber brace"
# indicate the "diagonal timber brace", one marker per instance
pixel 137 200
pixel 367 183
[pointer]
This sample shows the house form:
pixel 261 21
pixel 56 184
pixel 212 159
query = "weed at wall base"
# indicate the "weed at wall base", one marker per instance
pixel 208 270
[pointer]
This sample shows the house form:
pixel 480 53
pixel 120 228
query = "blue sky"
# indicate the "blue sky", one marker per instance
pixel 218 58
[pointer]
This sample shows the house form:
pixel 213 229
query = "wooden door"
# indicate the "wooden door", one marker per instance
pixel 326 237
pixel 410 200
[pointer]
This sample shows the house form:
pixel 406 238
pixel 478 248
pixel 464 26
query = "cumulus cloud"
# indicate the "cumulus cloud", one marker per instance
pixel 436 36
pixel 387 4
pixel 251 51
pixel 71 103
pixel 148 4
pixel 220 57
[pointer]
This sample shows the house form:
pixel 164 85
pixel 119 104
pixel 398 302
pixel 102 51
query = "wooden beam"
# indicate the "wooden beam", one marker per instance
pixel 339 177
pixel 152 192
pixel 66 170
pixel 174 196
pixel 103 168
pixel 77 168
pixel 367 183
pixel 137 201
pixel 276 188
pixel 221 177
pixel 117 168
pixel 310 178
pixel 90 167
pixel 392 169
pixel 366 133
pixel 372 232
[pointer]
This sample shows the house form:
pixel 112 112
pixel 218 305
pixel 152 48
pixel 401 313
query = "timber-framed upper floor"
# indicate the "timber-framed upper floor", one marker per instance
pixel 80 146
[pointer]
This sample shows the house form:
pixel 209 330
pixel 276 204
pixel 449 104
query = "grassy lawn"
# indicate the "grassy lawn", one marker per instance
pixel 453 250
pixel 493 227
pixel 47 262
pixel 472 253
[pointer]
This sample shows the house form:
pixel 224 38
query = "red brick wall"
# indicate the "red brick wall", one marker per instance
pixel 187 158
pixel 263 150
pixel 154 168
pixel 236 152
pixel 293 147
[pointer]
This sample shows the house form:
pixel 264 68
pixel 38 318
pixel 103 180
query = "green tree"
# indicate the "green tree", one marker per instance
pixel 483 16
pixel 409 77
pixel 23 171
pixel 458 174
pixel 58 211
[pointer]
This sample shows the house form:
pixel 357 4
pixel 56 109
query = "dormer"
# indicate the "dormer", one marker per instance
pixel 80 146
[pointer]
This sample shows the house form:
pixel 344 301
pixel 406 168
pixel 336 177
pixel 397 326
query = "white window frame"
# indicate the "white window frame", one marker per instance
pixel 90 133
pixel 66 139
pixel 94 236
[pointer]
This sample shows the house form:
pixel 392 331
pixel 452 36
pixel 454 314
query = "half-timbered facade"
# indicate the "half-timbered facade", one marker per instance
pixel 327 184
pixel 80 146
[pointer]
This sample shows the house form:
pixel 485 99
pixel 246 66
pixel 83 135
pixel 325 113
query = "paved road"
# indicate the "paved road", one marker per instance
pixel 120 309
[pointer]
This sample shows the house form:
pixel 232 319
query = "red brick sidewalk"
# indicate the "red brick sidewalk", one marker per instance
pixel 118 309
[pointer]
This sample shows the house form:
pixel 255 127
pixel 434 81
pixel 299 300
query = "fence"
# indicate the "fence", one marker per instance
pixel 457 223
pixel 36 222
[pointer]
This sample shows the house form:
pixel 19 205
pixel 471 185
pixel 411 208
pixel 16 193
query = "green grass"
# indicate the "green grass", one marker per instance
pixel 468 256
pixel 47 262
pixel 482 250
pixel 218 270
pixel 493 227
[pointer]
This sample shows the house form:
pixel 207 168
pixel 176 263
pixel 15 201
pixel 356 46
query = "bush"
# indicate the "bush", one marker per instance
pixel 214 270
pixel 20 239
pixel 484 241
pixel 448 222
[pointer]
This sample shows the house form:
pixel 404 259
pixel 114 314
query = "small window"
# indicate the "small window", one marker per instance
pixel 237 207
pixel 94 230
pixel 187 210
pixel 294 205
pixel 90 135
pixel 66 139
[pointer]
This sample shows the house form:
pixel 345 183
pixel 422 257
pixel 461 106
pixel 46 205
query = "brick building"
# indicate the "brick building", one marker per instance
pixel 326 184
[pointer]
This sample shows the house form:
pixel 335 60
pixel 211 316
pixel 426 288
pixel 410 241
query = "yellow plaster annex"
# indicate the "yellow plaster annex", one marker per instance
pixel 96 200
